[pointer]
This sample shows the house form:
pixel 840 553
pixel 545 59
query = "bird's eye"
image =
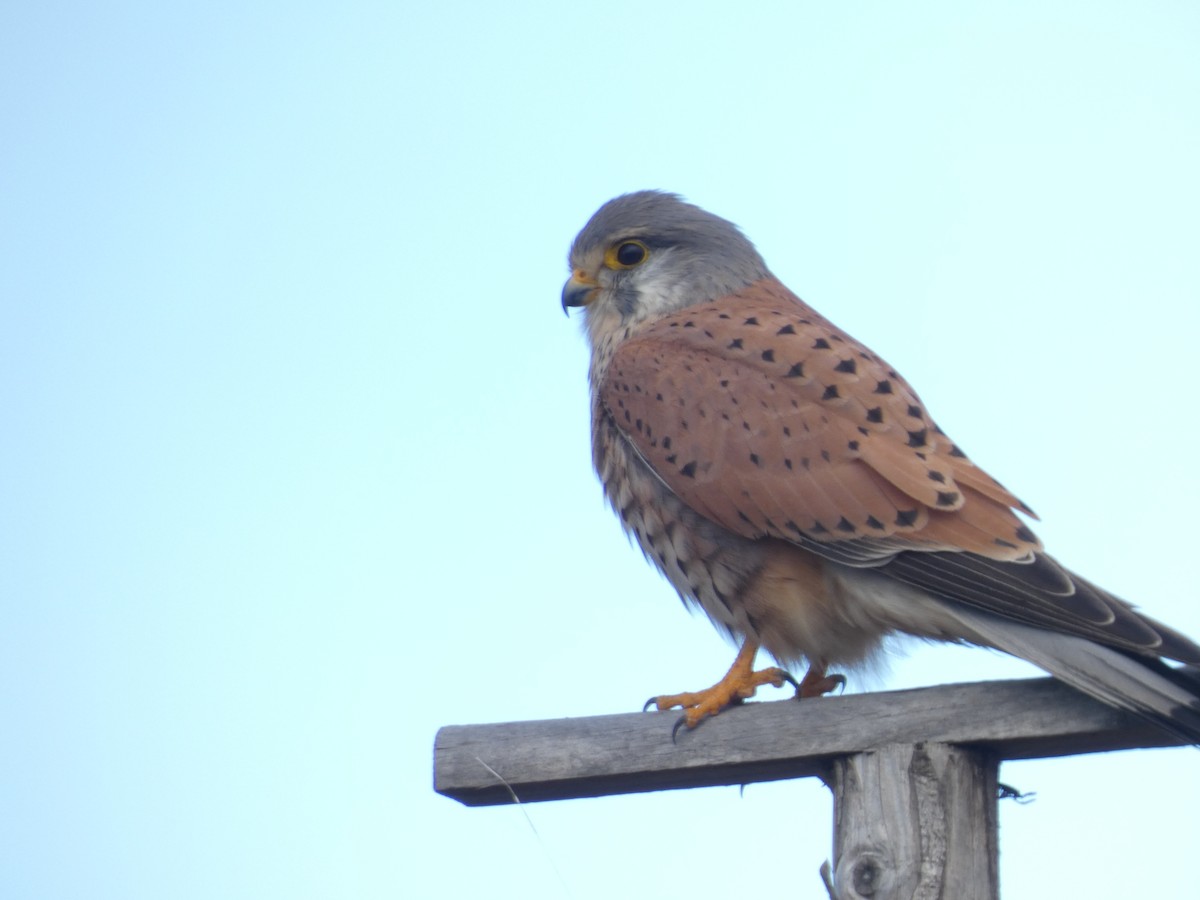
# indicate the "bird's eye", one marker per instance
pixel 626 255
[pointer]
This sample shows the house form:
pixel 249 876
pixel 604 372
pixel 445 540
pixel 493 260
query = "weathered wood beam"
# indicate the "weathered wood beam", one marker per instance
pixel 915 820
pixel 561 759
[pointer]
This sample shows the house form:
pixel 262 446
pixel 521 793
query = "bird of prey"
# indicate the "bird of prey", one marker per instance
pixel 789 482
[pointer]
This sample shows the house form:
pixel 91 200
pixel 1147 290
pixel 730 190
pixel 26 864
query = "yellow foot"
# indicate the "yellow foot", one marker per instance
pixel 816 682
pixel 739 683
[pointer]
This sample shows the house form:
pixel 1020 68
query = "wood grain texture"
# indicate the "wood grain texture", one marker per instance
pixel 561 759
pixel 915 821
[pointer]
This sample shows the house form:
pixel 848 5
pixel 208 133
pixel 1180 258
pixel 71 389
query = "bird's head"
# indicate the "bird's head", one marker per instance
pixel 648 254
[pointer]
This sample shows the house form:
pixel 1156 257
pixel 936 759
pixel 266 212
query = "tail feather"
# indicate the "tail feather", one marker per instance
pixel 1169 697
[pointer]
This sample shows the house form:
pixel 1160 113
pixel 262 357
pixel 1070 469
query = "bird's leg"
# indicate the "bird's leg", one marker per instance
pixel 815 682
pixel 739 683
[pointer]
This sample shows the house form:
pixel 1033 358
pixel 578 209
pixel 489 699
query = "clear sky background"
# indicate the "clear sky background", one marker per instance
pixel 294 461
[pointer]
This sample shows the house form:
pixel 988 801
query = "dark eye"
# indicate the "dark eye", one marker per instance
pixel 631 253
pixel 627 254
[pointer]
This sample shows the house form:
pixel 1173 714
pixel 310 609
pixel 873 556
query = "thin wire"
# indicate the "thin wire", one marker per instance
pixel 517 800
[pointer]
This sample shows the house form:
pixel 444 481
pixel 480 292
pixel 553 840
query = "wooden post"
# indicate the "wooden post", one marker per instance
pixel 915 821
pixel 913 773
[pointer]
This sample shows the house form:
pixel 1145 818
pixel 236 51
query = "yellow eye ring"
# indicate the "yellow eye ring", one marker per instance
pixel 626 255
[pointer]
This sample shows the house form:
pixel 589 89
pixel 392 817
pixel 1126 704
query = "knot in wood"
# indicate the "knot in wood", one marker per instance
pixel 866 876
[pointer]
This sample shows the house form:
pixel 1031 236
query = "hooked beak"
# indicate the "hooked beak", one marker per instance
pixel 580 290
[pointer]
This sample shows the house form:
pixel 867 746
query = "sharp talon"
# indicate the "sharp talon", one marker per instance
pixel 679 723
pixel 841 682
pixel 739 684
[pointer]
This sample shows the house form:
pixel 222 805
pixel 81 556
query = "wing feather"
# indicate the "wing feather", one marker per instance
pixel 765 418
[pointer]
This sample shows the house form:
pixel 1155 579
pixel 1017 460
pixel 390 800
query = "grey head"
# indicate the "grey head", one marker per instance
pixel 650 253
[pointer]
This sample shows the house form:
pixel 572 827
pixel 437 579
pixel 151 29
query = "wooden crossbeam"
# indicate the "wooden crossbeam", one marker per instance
pixel 561 759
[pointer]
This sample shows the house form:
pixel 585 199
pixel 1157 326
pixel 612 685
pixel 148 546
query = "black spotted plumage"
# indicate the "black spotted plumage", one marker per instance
pixel 793 485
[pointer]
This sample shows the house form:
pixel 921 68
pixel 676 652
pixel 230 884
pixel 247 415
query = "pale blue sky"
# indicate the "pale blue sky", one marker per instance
pixel 295 468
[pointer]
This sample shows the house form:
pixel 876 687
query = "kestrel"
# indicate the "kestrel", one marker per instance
pixel 789 482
